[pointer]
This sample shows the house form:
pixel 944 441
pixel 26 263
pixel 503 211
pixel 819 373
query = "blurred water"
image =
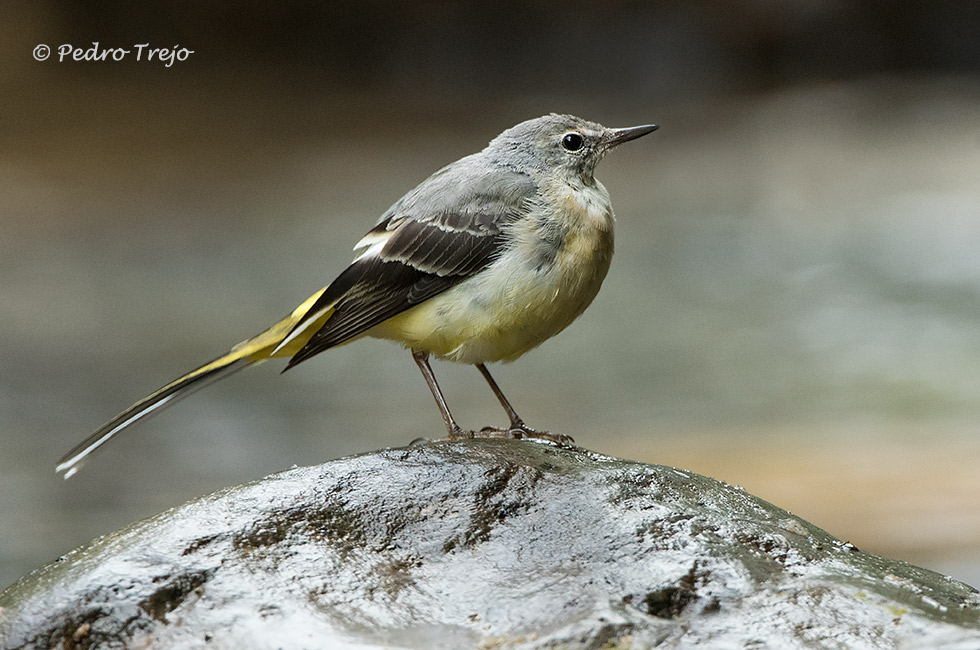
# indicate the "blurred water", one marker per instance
pixel 792 308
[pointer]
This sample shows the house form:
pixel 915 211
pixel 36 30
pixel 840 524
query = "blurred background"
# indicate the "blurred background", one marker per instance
pixel 794 306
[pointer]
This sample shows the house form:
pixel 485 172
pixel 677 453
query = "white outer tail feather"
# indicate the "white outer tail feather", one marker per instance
pixel 166 396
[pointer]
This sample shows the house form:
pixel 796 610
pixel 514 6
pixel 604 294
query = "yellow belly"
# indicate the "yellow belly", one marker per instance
pixel 508 308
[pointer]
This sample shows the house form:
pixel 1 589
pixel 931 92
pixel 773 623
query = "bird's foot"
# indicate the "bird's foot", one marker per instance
pixel 517 431
pixel 520 431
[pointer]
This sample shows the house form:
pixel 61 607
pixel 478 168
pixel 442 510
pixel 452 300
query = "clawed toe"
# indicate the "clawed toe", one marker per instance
pixel 460 434
pixel 558 438
pixel 522 431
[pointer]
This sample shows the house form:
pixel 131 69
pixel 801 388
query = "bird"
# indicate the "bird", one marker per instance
pixel 480 263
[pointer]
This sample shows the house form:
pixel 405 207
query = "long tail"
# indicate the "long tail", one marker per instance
pixel 270 343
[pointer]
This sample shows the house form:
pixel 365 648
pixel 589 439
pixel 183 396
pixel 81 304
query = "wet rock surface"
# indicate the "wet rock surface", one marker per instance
pixel 483 544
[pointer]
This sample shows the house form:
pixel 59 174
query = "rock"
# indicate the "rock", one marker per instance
pixel 488 544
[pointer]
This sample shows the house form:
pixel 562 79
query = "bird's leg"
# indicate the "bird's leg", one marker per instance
pixel 517 427
pixel 455 432
pixel 515 420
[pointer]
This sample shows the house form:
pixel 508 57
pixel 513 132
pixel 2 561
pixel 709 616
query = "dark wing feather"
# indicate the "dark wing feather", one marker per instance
pixel 425 253
pixel 419 261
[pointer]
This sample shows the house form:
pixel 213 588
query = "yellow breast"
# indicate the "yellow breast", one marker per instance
pixel 550 271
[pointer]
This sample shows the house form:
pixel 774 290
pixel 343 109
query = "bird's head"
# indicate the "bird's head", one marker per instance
pixel 562 144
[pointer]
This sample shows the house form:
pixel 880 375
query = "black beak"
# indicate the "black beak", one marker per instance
pixel 613 137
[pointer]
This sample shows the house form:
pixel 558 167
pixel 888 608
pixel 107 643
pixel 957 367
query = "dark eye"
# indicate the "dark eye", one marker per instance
pixel 572 141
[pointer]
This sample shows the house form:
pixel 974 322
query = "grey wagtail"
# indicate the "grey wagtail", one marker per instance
pixel 485 260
